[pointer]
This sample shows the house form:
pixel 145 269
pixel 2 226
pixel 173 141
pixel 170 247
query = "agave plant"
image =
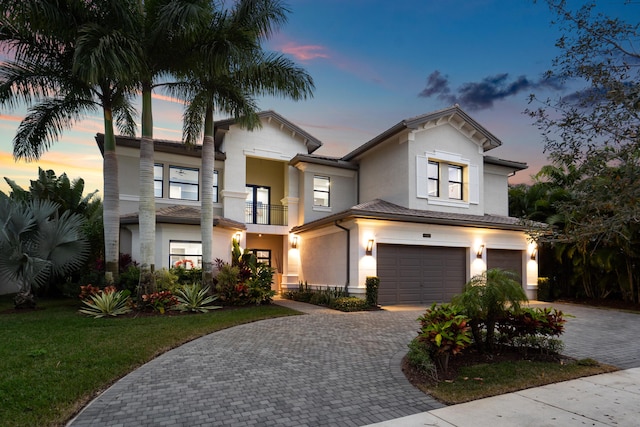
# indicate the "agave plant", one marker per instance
pixel 195 298
pixel 36 244
pixel 106 303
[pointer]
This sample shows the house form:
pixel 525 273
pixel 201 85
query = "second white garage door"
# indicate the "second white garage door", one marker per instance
pixel 420 274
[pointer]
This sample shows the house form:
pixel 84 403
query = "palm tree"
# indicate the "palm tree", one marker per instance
pixel 70 59
pixel 166 29
pixel 228 69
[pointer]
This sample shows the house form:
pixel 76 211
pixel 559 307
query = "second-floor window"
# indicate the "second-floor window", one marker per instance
pixel 157 180
pixel 433 175
pixel 183 183
pixel 455 182
pixel 321 191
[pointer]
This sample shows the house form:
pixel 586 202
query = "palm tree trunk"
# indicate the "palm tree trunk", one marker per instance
pixel 147 203
pixel 111 203
pixel 206 207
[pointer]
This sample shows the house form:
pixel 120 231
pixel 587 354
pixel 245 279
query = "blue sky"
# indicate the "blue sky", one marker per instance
pixel 375 63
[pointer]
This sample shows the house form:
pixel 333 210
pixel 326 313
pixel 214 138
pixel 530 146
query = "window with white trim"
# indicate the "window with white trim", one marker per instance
pixel 321 191
pixel 183 183
pixel 215 186
pixel 447 179
pixel 185 253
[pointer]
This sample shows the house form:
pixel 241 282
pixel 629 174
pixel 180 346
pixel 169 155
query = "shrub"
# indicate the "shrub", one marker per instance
pixel 106 303
pixel 259 284
pixel 445 332
pixel 194 298
pixel 372 283
pixel 486 299
pixel 229 289
pixel 349 304
pixel 159 301
pixel 419 358
pixel 166 280
pixel 186 276
pixel 129 278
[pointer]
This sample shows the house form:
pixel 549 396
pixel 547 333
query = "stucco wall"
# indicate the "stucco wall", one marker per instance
pixel 342 191
pixel 496 196
pixel 385 174
pixel 323 259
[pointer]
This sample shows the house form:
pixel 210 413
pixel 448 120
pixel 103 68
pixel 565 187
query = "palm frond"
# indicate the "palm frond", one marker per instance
pixel 44 124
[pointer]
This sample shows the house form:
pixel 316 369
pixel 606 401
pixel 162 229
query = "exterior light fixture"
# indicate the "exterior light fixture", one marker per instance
pixel 237 237
pixel 479 252
pixel 369 248
pixel 294 242
pixel 534 253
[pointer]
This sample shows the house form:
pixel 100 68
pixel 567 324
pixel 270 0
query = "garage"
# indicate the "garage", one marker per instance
pixel 505 259
pixel 420 274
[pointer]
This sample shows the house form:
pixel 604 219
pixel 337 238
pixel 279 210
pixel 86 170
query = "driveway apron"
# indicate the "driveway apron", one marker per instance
pixel 324 368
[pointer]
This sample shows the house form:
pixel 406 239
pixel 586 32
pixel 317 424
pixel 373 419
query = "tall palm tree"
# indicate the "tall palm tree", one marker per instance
pixel 228 69
pixel 72 58
pixel 167 27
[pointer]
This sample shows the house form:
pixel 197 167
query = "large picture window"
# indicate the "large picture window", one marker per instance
pixel 321 191
pixel 157 180
pixel 185 253
pixel 433 175
pixel 455 182
pixel 183 183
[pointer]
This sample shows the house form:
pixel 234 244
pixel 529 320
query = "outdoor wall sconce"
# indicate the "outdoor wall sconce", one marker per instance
pixel 534 253
pixel 479 253
pixel 369 248
pixel 237 237
pixel 294 242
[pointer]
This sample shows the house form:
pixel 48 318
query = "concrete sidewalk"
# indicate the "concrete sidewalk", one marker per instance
pixel 601 400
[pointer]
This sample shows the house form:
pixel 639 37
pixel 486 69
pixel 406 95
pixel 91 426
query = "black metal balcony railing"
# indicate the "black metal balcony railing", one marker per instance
pixel 260 213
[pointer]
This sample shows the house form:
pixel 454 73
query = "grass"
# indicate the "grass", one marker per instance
pixel 491 379
pixel 54 360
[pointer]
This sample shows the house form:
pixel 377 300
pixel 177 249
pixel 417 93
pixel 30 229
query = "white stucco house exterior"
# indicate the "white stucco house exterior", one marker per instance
pixel 422 206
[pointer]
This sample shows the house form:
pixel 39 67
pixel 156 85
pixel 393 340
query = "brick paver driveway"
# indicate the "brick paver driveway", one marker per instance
pixel 324 368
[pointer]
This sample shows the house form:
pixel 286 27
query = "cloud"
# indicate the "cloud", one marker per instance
pixel 304 52
pixel 481 95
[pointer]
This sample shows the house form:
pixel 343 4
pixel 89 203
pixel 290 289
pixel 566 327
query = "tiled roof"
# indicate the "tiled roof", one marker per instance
pixel 183 215
pixel 383 210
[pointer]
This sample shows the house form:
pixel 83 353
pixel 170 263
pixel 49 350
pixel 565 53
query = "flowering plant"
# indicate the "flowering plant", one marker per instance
pixel 159 301
pixel 183 263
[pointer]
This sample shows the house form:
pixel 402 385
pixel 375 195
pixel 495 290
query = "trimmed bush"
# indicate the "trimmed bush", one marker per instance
pixel 372 283
pixel 349 304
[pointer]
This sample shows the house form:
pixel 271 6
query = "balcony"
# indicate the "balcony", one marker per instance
pixel 260 213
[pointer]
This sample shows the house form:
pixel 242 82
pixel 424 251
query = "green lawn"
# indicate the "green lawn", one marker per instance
pixel 54 360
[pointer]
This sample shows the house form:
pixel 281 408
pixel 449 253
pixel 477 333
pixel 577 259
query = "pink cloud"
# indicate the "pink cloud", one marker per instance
pixel 304 52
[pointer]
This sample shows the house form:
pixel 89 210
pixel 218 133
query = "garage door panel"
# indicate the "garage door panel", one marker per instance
pixel 419 274
pixel 505 259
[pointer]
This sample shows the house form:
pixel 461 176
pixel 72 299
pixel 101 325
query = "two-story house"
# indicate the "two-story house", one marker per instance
pixel 421 206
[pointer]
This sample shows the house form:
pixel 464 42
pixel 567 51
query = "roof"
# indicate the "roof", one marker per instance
pixel 382 210
pixel 160 145
pixel 311 142
pixel 322 160
pixel 454 115
pixel 518 166
pixel 183 215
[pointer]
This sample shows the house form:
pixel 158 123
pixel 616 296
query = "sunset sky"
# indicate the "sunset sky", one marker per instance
pixel 374 63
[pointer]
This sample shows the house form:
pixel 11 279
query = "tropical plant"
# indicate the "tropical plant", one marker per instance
pixel 372 284
pixel 445 331
pixel 195 298
pixel 486 299
pixel 259 284
pixel 106 303
pixel 36 244
pixel 158 301
pixel 70 59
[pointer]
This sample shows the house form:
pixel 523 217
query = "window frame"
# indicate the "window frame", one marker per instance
pixel 431 179
pixel 196 185
pixel 457 184
pixel 215 186
pixel 316 190
pixel 196 256
pixel 160 180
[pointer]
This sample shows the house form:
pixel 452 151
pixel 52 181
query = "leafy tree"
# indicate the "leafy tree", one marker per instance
pixel 72 58
pixel 228 68
pixel 36 243
pixel 593 134
pixel 486 299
